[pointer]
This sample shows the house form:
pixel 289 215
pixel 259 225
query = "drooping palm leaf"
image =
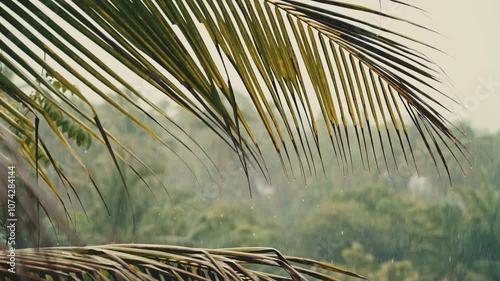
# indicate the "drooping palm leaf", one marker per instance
pixel 292 58
pixel 154 262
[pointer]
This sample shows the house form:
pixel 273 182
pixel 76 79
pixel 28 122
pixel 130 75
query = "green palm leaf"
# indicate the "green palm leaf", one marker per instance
pixel 291 57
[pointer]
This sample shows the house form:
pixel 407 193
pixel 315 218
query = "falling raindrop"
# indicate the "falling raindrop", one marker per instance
pixel 175 218
pixel 254 234
pixel 275 217
pixel 342 233
pixel 449 259
pixel 392 260
pixel 303 200
pixel 221 215
pixel 251 207
pixel 268 197
pixel 85 151
pixel 109 217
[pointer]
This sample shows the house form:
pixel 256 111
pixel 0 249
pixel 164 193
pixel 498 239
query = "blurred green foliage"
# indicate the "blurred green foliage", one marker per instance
pixel 387 227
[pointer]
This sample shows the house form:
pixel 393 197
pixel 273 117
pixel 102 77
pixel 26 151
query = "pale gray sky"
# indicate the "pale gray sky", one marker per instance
pixel 473 41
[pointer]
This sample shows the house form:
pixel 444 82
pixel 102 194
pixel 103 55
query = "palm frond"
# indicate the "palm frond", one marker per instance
pixel 155 262
pixel 292 58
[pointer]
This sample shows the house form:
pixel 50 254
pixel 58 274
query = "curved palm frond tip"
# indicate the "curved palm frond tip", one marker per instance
pixel 154 262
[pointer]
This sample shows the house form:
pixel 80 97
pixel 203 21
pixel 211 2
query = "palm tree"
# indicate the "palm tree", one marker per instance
pixel 290 59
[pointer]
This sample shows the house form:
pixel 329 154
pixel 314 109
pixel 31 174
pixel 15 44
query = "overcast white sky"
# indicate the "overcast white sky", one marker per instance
pixel 473 41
